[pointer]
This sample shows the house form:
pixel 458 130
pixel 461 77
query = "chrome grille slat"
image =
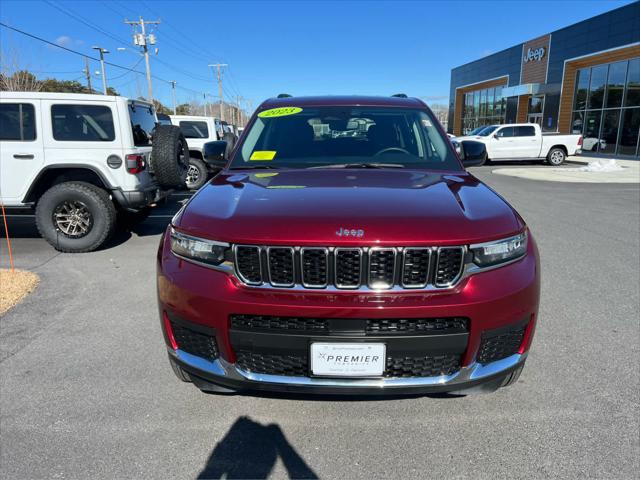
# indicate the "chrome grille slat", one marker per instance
pixel 350 268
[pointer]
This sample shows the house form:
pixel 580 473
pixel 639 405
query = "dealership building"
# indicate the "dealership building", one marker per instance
pixel 584 79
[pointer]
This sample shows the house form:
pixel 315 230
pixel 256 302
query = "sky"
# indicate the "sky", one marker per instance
pixel 271 47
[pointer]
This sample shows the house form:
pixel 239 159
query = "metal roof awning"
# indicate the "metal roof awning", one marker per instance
pixel 531 89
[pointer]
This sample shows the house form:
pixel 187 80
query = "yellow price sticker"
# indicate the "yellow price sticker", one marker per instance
pixel 262 155
pixel 265 175
pixel 279 112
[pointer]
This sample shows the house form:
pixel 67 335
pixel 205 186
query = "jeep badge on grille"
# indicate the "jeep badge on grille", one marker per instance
pixel 350 232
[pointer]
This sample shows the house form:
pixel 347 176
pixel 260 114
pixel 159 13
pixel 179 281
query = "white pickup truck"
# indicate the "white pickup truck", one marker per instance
pixel 525 141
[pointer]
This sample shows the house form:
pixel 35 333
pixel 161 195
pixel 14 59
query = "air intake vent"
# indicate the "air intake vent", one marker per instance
pixel 449 266
pixel 281 269
pixel 248 264
pixel 315 268
pixel 382 267
pixel 415 267
pixel 348 267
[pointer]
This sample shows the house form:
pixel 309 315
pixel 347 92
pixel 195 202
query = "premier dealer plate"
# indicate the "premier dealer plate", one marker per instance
pixel 348 359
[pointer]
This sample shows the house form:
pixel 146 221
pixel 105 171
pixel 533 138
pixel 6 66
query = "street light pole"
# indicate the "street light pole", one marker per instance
pixel 104 75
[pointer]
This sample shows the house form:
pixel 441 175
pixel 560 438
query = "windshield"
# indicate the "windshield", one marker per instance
pixel 333 137
pixel 476 130
pixel 486 131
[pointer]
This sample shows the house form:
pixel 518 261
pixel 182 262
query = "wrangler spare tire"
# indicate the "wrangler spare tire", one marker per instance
pixel 169 156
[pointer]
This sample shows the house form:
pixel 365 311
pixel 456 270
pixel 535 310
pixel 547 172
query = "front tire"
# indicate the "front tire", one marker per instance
pixel 197 174
pixel 75 217
pixel 556 157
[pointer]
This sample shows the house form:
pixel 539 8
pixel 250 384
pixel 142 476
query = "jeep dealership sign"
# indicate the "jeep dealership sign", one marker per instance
pixel 532 54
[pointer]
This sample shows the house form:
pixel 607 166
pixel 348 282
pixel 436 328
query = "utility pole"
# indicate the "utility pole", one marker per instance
pixel 104 75
pixel 238 111
pixel 87 73
pixel 204 96
pixel 143 40
pixel 173 96
pixel 218 67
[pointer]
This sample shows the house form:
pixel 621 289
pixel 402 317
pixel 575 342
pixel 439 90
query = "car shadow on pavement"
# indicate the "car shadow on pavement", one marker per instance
pixel 251 450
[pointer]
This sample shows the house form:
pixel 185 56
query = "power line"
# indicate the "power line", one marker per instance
pixel 84 21
pixel 131 70
pixel 84 55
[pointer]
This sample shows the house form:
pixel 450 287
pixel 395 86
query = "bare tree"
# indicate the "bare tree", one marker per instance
pixel 14 76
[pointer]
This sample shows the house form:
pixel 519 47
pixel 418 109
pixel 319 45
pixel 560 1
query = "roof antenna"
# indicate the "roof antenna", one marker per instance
pixel 399 95
pixel 284 95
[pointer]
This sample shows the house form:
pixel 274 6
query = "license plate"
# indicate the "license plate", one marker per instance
pixel 348 359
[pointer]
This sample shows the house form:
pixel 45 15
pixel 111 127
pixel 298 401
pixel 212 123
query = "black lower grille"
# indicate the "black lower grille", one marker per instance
pixel 417 325
pixel 496 346
pixel 289 365
pixel 195 343
pixel 266 322
pixel 297 365
pixel 428 366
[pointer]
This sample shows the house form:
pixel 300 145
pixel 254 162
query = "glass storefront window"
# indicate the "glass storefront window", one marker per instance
pixel 490 102
pixel 629 132
pixel 483 107
pixel 596 87
pixel 592 131
pixel 633 84
pixel 577 124
pixel 582 88
pixel 615 84
pixel 609 134
pixel 607 108
pixel 535 104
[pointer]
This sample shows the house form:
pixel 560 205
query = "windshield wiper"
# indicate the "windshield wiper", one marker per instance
pixel 256 167
pixel 361 165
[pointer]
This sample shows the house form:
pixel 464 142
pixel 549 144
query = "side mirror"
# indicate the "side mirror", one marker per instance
pixel 495 135
pixel 214 153
pixel 473 153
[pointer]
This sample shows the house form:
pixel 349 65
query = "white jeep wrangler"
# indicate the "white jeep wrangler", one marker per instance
pixel 82 160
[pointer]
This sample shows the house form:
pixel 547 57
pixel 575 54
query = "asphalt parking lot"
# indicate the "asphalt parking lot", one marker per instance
pixel 86 389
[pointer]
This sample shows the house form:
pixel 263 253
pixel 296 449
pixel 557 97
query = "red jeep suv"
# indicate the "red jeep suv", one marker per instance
pixel 345 249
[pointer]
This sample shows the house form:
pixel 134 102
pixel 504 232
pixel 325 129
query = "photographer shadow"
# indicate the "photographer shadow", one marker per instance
pixel 250 450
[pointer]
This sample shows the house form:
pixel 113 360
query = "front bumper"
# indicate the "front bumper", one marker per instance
pixel 220 373
pixel 492 301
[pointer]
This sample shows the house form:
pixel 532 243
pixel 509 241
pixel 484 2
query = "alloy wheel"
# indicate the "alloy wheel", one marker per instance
pixel 73 219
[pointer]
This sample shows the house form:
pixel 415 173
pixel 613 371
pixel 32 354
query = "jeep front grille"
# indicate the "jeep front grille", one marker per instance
pixel 350 268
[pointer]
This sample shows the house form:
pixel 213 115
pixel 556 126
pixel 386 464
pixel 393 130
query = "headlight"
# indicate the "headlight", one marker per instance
pixel 500 251
pixel 198 249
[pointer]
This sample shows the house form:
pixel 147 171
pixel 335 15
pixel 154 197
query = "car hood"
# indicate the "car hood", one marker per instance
pixel 375 207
